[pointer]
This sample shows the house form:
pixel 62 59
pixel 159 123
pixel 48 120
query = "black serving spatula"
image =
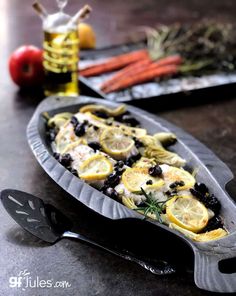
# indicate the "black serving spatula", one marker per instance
pixel 50 225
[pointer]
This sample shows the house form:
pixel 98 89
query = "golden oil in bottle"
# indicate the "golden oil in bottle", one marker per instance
pixel 61 56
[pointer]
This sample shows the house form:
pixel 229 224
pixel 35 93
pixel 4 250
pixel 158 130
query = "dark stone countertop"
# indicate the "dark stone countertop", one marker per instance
pixel 91 271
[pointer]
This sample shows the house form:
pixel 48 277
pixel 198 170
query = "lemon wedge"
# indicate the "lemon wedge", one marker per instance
pixel 97 167
pixel 116 143
pixel 173 174
pixel 135 178
pixel 187 212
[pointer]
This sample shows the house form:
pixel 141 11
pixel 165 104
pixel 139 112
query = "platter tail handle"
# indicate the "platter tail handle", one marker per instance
pixel 215 270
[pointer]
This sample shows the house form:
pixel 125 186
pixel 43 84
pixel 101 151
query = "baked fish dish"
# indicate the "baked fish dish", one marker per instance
pixel 108 149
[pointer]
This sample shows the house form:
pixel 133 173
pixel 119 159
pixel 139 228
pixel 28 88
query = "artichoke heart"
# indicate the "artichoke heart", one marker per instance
pixel 166 139
pixel 59 120
pixel 148 140
pixel 111 112
pixel 163 156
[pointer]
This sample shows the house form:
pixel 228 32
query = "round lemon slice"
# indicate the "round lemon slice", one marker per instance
pixel 115 142
pixel 173 174
pixel 187 212
pixel 136 178
pixel 96 167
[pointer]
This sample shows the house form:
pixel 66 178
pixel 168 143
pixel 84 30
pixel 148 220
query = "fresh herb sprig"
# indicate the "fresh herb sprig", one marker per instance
pixel 152 206
pixel 205 46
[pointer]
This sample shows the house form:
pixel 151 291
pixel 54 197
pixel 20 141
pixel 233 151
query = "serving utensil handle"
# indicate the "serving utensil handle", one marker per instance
pixel 215 265
pixel 159 267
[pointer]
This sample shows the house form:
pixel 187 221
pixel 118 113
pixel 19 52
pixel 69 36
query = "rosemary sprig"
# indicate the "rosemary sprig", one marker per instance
pixel 152 206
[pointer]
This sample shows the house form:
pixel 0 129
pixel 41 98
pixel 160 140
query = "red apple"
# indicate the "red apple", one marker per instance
pixel 26 66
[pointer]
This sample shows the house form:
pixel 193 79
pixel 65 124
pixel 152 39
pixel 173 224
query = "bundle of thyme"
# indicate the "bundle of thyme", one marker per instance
pixel 205 46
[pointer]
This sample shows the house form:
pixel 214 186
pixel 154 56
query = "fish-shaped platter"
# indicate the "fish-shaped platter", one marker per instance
pixel 212 257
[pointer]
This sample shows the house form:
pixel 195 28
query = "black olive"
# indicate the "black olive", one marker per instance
pixel 111 192
pixel 74 121
pixel 173 185
pixel 213 223
pixel 101 114
pixel 74 172
pixel 197 194
pixel 138 143
pixel 65 160
pixel 149 182
pixel 130 120
pixel 119 164
pixel 176 184
pixel 210 201
pixel 79 130
pixel 155 171
pixel 181 183
pixel 51 134
pixel 137 156
pixel 57 155
pixel 201 187
pixel 95 127
pixel 112 180
pixel 95 145
pixel 119 171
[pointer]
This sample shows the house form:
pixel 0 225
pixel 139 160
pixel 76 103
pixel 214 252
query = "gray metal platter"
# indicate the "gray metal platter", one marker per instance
pixel 210 170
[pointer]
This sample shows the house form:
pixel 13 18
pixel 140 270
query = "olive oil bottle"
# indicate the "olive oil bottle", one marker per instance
pixel 61 49
pixel 61 53
pixel 60 60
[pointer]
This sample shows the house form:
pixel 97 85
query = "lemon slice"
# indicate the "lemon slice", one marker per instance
pixel 187 212
pixel 135 178
pixel 173 174
pixel 97 167
pixel 211 235
pixel 73 145
pixel 115 142
pixel 201 237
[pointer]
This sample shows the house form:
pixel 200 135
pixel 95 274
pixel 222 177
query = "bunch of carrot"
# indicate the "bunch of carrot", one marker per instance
pixel 136 67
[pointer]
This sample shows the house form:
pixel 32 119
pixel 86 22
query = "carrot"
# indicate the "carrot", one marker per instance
pixel 136 72
pixel 136 66
pixel 145 76
pixel 114 63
